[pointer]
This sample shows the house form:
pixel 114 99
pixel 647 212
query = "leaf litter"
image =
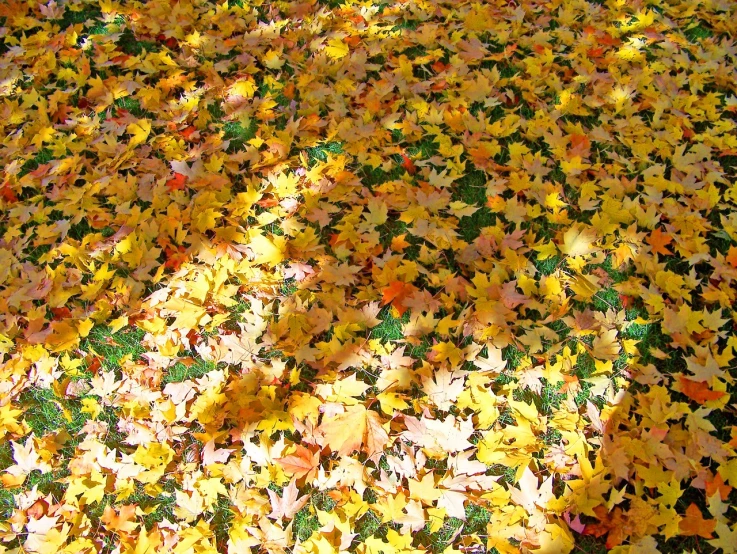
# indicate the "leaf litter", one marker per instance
pixel 342 276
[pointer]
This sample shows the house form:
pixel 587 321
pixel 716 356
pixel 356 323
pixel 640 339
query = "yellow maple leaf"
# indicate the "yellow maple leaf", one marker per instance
pixel 336 48
pixel 267 251
pixel 138 131
pixel 243 87
pixel 390 401
pixel 448 351
pixel 578 241
pixel 606 346
pixel 273 59
pixel 43 135
pixel 91 406
pixel 355 429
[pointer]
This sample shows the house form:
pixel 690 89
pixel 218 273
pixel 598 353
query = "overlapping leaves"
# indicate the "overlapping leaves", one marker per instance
pixel 317 277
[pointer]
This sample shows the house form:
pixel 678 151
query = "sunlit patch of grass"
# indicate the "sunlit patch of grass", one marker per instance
pixel 606 299
pixel 7 503
pixel 46 413
pixel 320 152
pixel 48 482
pixel 390 327
pixel 471 189
pixel 112 347
pixel 390 229
pixel 288 287
pixel 369 525
pixel 698 31
pixel 182 372
pixel 222 516
pixel 238 134
pixel 547 266
pixel 548 399
pixel 371 176
pixel 422 150
pixel 305 522
pixel 512 355
pixel 156 508
pixel 132 105
pixel 617 275
pixel 43 156
pixel 440 539
pixel 418 350
pixel 129 44
pixel 77 14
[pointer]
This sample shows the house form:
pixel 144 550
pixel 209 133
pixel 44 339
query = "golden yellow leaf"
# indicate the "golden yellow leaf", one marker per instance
pixel 139 131
pixel 336 48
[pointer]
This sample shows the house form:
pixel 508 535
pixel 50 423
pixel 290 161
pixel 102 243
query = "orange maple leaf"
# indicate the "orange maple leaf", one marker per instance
pixel 694 524
pixel 301 462
pixel 175 257
pixel 190 133
pixel 399 243
pixel 658 241
pixel 732 256
pixel 717 484
pixel 698 392
pixel 395 294
pixel 439 67
pixel 120 522
pixel 580 145
pixel 610 524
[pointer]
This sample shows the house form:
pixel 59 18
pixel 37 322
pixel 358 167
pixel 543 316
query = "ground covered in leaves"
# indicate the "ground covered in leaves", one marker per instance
pixel 413 276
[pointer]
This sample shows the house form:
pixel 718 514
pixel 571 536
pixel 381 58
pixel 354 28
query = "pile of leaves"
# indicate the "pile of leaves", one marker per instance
pixel 325 276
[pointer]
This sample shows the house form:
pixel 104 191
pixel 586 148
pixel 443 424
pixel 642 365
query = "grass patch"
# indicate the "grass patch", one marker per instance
pixel 182 372
pixel 471 189
pixel 113 347
pixel 390 328
pixel 238 134
pixel 320 152
pixel 46 414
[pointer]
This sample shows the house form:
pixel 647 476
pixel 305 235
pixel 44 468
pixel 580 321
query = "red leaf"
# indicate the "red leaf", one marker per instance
pixel 301 462
pixel 408 164
pixel 177 182
pixel 731 256
pixel 188 133
pixel 194 338
pixel 658 241
pixel 717 485
pixel 439 67
pixel 61 313
pixel 94 366
pixel 6 193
